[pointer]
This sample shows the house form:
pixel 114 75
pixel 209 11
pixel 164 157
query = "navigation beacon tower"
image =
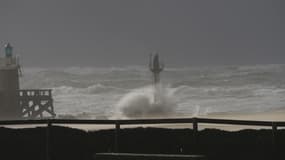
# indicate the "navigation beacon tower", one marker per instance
pixel 9 85
pixel 155 67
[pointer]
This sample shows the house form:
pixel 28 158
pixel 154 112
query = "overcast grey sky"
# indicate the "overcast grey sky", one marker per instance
pixel 124 32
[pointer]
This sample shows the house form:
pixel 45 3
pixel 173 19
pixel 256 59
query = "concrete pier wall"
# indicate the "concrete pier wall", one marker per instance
pixel 9 86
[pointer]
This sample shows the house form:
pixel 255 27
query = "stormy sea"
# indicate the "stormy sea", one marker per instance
pixel 127 92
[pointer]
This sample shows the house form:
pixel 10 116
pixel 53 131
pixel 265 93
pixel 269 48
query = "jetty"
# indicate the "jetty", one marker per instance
pixel 16 103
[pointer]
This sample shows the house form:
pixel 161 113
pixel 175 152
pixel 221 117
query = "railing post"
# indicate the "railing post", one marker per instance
pixel 274 136
pixel 195 132
pixel 117 133
pixel 48 139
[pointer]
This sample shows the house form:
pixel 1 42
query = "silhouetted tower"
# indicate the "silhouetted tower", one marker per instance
pixel 155 67
pixel 9 85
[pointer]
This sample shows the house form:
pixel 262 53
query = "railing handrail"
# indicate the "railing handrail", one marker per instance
pixel 117 123
pixel 32 90
pixel 146 121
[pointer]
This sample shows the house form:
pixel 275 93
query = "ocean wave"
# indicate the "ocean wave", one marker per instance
pixel 99 88
pixel 93 89
pixel 197 91
pixel 149 101
pixel 82 115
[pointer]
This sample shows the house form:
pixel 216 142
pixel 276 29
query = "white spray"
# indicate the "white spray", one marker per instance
pixel 151 101
pixel 147 102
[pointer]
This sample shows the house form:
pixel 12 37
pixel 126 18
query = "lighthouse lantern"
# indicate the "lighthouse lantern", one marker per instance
pixel 8 50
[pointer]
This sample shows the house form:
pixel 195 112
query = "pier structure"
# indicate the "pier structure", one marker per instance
pixel 36 103
pixel 16 103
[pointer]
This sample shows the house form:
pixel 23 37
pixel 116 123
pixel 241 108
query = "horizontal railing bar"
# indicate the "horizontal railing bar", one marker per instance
pixel 235 122
pixel 22 122
pixel 280 124
pixel 33 97
pixel 202 120
pixel 154 121
pixel 56 121
pixel 145 121
pixel 79 121
pixel 25 90
pixel 84 121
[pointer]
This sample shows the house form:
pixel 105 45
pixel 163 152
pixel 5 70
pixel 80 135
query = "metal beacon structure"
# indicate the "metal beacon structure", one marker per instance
pixel 16 103
pixel 155 66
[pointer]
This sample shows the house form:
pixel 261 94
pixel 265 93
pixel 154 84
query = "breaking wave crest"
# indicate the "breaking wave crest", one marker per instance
pixel 93 89
pixel 93 92
pixel 147 102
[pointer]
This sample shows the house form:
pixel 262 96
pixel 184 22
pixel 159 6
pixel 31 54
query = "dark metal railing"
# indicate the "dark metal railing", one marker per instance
pixel 118 123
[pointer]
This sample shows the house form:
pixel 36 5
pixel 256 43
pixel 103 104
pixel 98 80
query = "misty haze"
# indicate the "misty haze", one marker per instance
pixel 221 57
pixel 166 79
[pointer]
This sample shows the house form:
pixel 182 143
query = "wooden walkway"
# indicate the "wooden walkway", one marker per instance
pixel 135 156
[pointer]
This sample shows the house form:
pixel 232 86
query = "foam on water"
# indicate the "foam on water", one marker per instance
pixel 146 102
pixel 125 92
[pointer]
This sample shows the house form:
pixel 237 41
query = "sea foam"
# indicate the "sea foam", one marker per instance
pixel 104 92
pixel 148 102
